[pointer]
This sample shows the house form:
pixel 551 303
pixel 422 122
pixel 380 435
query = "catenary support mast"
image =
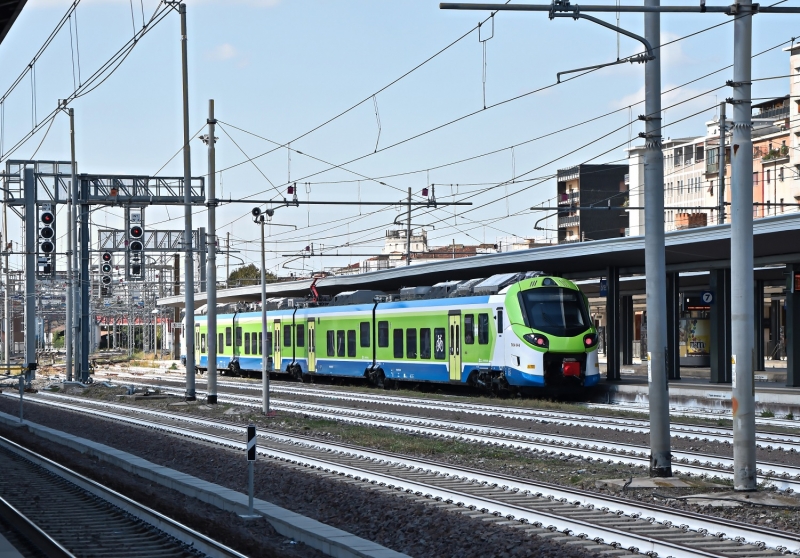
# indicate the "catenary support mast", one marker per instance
pixel 187 231
pixel 211 273
pixel 654 256
pixel 742 315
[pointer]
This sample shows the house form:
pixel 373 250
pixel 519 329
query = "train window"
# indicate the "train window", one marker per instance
pixel 411 343
pixel 312 342
pixel 277 340
pixel 398 343
pixel 483 329
pixel 500 325
pixel 469 329
pixel 383 334
pixel 351 342
pixel 301 335
pixel 438 343
pixel 220 343
pixel 227 337
pixel 425 342
pixel 364 334
pixel 340 342
pixel 238 337
pixel 269 341
pixel 202 342
pixel 287 335
pixel 247 343
pixel 257 351
pixel 255 346
pixel 331 343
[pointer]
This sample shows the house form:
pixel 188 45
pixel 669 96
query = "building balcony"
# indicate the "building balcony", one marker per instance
pixel 569 198
pixel 569 221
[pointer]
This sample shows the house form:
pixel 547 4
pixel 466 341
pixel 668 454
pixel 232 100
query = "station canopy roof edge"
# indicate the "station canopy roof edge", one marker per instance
pixel 776 240
pixel 9 11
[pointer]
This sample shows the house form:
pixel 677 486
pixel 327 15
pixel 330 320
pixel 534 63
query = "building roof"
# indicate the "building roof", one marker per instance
pixel 9 11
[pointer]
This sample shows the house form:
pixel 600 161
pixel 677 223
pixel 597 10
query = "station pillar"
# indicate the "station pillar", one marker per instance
pixel 673 321
pixel 792 330
pixel 775 322
pixel 612 325
pixel 720 280
pixel 758 345
pixel 627 319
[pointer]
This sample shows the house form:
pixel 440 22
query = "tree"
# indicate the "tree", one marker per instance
pixel 248 275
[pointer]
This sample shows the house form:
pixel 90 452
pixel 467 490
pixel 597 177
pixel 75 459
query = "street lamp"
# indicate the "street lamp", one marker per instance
pixel 258 218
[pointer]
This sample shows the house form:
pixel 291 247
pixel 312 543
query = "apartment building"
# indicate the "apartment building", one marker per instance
pixel 692 169
pixel 591 187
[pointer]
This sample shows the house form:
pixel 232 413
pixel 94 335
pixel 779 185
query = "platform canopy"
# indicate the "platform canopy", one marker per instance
pixel 9 11
pixel 776 240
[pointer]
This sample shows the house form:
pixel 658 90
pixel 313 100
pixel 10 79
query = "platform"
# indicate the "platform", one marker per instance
pixel 694 391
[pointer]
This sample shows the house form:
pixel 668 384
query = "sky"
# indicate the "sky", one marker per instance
pixel 278 69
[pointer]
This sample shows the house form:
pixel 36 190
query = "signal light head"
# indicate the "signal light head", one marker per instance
pixel 106 280
pixel 106 268
pixel 47 247
pixel 135 246
pixel 106 257
pixel 136 231
pixel 290 190
pixel 47 232
pixel 47 218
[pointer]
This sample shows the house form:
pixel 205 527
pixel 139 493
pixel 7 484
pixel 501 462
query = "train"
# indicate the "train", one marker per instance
pixel 511 332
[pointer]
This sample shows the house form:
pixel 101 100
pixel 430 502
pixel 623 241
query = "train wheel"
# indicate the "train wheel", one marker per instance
pixel 234 368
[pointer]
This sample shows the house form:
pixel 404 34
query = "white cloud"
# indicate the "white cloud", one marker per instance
pixel 225 51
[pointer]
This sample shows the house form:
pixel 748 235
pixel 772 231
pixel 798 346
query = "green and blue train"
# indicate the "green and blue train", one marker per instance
pixel 535 331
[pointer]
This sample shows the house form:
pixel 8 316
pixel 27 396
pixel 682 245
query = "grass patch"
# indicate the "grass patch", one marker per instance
pixel 766 413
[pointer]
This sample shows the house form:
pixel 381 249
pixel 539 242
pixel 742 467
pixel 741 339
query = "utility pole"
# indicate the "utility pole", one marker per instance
pixel 7 342
pixel 721 164
pixel 187 231
pixel 227 258
pixel 68 329
pixel 211 260
pixel 408 230
pixel 31 227
pixel 742 283
pixel 264 344
pixel 655 256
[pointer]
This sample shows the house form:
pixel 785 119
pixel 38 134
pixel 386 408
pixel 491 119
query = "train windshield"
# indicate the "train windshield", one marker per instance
pixel 555 311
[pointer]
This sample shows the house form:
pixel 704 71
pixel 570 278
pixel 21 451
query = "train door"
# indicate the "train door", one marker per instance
pixel 276 338
pixel 455 345
pixel 197 345
pixel 312 347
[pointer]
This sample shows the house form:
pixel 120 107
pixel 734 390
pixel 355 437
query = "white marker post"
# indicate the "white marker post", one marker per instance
pixel 251 458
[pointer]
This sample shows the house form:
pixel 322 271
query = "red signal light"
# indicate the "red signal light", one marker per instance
pixel 136 231
pixel 106 257
pixel 47 218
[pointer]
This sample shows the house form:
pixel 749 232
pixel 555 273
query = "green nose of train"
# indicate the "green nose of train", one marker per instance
pixel 511 331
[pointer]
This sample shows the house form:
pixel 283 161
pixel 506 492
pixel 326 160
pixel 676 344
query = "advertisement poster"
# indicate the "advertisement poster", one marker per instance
pixel 695 337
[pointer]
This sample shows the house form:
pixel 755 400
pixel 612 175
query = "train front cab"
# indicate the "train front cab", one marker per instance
pixel 554 343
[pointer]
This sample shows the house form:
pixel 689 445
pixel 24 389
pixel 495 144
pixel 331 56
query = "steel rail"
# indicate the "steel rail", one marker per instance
pixel 773 440
pixel 666 516
pixel 157 520
pixel 783 477
pixel 32 532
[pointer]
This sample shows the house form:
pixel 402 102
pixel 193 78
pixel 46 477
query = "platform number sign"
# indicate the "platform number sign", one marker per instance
pixel 707 297
pixel 251 442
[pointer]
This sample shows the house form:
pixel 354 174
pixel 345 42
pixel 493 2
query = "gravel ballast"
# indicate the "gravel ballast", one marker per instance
pixel 397 523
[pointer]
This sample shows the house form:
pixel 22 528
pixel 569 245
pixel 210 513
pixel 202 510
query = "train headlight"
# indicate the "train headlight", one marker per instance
pixel 537 340
pixel 590 340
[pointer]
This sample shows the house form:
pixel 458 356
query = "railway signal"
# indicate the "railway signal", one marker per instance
pixel 106 267
pixel 47 238
pixel 136 248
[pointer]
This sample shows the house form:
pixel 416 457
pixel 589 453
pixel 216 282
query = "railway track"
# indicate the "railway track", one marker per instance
pixel 63 514
pixel 766 440
pixel 546 509
pixel 782 477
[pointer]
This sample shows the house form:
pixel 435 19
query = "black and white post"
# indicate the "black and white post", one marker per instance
pixel 251 459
